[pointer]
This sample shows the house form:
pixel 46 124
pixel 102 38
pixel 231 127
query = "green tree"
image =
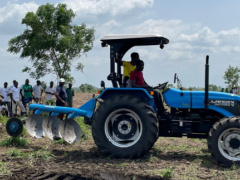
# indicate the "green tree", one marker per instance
pixel 213 87
pixel 231 76
pixel 87 88
pixel 44 85
pixel 51 42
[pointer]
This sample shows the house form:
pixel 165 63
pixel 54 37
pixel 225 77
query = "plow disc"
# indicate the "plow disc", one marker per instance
pixel 51 127
pixel 70 131
pixel 34 125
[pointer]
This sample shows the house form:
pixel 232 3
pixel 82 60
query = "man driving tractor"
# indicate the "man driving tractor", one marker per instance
pixel 137 80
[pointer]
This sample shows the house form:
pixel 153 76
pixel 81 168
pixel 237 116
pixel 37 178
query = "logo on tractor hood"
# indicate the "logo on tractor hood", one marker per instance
pixel 222 103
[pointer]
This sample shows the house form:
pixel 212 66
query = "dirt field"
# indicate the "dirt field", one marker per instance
pixel 170 158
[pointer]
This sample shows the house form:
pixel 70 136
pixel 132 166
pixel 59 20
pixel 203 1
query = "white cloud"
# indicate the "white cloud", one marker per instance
pixel 16 11
pixel 188 40
pixel 112 7
pixel 11 16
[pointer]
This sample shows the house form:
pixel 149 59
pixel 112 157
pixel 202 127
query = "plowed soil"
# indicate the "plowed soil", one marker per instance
pixel 170 158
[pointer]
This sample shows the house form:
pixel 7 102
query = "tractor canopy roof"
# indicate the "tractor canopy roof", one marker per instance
pixel 134 40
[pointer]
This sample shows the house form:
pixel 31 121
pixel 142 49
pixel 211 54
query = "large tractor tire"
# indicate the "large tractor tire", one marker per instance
pixel 124 126
pixel 224 141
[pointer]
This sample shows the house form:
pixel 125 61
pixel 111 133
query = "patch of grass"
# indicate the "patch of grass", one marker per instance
pixel 86 129
pixel 122 165
pixel 15 153
pixel 152 158
pixel 3 120
pixel 41 154
pixel 165 173
pixel 158 149
pixel 14 141
pixel 60 141
pixel 4 170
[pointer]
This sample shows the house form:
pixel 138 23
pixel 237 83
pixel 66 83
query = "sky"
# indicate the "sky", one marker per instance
pixel 195 29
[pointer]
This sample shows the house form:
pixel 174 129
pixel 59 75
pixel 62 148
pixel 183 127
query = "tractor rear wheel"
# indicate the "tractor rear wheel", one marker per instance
pixel 224 141
pixel 124 126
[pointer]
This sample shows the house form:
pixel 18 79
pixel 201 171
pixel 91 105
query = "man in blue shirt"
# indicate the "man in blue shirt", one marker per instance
pixel 61 96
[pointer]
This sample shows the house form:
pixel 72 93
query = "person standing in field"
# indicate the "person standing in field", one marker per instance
pixel 10 90
pixel 70 94
pixel 50 94
pixel 61 96
pixel 37 91
pixel 15 97
pixel 28 93
pixel 4 94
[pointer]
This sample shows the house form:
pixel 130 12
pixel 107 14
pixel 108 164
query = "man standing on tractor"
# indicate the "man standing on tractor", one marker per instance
pixel 137 80
pixel 128 67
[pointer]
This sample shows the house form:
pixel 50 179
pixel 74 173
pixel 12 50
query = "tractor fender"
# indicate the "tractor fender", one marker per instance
pixel 139 92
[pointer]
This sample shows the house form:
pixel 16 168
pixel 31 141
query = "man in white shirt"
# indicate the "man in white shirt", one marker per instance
pixel 37 91
pixel 6 101
pixel 235 90
pixel 15 97
pixel 50 94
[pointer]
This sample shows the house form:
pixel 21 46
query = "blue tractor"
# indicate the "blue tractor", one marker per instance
pixel 126 125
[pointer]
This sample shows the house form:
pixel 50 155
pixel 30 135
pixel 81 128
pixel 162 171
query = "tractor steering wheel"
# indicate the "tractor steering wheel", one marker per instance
pixel 161 86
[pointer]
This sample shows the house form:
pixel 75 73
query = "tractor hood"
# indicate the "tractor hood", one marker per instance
pixel 218 101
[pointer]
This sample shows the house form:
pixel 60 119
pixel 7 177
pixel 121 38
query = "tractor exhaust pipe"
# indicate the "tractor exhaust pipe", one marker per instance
pixel 206 103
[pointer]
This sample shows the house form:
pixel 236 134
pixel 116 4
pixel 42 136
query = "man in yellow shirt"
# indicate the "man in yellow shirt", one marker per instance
pixel 128 67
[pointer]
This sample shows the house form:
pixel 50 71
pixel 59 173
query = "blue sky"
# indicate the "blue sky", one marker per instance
pixel 195 29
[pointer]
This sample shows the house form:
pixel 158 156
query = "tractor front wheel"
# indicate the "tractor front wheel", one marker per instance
pixel 124 126
pixel 224 141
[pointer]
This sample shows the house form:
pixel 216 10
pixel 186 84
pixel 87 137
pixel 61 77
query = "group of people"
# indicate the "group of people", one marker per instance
pixel 234 90
pixel 14 95
pixel 133 77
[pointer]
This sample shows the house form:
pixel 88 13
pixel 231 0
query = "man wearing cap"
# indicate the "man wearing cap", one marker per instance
pixel 61 96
